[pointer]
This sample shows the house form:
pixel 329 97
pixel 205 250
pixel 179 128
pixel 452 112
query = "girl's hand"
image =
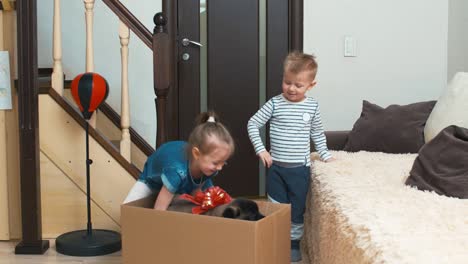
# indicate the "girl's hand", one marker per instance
pixel 164 199
pixel 330 159
pixel 265 157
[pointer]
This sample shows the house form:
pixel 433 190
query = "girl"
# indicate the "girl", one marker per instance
pixel 179 167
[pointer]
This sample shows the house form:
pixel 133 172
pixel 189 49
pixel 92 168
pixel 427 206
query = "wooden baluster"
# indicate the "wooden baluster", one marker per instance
pixel 161 73
pixel 89 6
pixel 57 74
pixel 125 142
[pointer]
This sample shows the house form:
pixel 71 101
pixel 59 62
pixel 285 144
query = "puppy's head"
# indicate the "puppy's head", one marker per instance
pixel 243 209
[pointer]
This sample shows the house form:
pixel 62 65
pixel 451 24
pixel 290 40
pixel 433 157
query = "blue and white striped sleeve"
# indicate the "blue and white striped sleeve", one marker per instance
pixel 318 136
pixel 256 122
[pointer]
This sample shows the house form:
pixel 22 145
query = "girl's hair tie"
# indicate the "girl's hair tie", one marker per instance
pixel 211 119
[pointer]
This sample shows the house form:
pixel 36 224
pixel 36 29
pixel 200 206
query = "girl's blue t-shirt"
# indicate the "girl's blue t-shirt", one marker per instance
pixel 169 166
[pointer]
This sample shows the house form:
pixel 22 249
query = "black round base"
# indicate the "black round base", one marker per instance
pixel 79 243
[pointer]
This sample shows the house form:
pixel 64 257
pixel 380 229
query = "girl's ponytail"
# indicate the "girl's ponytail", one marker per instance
pixel 208 125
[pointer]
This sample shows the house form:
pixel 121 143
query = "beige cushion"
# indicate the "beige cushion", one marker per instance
pixel 451 108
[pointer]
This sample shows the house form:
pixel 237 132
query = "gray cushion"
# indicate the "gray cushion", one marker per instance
pixel 395 129
pixel 442 164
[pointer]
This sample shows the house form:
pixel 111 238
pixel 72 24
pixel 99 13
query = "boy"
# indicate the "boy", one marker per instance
pixel 294 119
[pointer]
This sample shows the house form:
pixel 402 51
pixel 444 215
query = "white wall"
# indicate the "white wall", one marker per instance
pixel 457 37
pixel 401 54
pixel 106 53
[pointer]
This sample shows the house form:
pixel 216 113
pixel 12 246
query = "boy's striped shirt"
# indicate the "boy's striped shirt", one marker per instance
pixel 291 127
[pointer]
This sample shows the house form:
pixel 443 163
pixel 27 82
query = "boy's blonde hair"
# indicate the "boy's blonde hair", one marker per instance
pixel 208 125
pixel 297 62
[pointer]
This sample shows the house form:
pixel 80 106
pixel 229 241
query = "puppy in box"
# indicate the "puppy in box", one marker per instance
pixel 216 202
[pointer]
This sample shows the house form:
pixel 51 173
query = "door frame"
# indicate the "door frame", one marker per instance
pixel 169 8
pixel 296 25
pixel 284 33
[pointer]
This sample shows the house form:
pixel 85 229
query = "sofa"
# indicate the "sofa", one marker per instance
pixel 377 203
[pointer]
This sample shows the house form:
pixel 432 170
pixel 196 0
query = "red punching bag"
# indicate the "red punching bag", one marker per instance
pixel 89 90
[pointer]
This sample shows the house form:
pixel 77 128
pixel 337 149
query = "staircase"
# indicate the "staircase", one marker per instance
pixel 63 175
pixel 117 151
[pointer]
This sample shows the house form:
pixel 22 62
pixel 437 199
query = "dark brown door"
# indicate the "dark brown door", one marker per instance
pixel 224 74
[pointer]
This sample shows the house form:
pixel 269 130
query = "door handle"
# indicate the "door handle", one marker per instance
pixel 186 42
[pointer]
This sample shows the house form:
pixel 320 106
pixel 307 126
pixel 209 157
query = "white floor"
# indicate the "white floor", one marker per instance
pixel 7 256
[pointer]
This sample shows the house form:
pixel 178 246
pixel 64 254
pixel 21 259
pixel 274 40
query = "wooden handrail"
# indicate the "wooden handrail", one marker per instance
pixel 131 21
pixel 159 42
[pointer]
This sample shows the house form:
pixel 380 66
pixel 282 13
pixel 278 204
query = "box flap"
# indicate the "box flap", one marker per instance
pixel 273 234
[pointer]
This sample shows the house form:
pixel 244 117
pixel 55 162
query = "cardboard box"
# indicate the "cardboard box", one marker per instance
pixel 152 236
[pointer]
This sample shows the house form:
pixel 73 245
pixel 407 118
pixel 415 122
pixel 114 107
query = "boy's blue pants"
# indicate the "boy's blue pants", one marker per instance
pixel 290 185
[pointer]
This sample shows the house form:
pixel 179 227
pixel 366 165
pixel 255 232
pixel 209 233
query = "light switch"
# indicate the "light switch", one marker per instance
pixel 349 46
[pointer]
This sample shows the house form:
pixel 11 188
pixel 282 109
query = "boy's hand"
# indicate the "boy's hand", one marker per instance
pixel 265 157
pixel 330 159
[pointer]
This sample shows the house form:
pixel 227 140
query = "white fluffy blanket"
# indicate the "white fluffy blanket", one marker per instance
pixel 391 222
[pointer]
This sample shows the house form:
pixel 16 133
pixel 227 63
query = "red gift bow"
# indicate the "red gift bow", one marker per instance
pixel 212 197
